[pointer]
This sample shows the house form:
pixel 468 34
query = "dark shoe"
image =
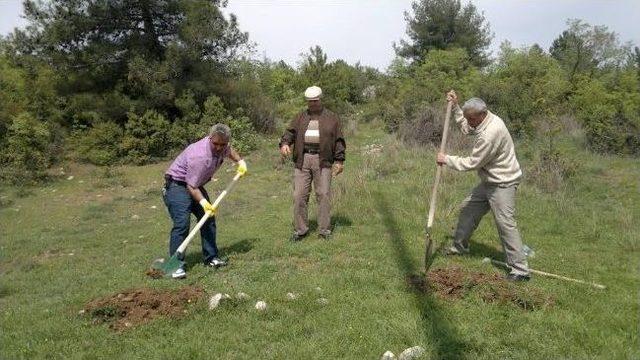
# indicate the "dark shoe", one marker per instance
pixel 216 262
pixel 452 250
pixel 297 237
pixel 517 277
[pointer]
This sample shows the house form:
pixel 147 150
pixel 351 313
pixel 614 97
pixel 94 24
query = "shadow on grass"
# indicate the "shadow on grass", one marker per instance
pixel 337 220
pixel 479 250
pixel 239 247
pixel 194 256
pixel 436 325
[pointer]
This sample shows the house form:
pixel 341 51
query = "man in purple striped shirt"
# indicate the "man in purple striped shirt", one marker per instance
pixel 184 191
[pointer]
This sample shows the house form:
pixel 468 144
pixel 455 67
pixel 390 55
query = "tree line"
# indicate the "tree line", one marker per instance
pixel 110 82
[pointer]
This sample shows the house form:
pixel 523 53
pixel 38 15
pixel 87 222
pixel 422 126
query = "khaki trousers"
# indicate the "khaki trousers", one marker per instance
pixel 302 178
pixel 501 199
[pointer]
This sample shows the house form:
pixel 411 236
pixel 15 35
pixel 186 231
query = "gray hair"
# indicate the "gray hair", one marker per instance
pixel 474 106
pixel 222 130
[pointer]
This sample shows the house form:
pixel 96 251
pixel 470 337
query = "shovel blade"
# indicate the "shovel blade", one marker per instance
pixel 168 266
pixel 429 253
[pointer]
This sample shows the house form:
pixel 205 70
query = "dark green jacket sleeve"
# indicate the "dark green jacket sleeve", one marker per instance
pixel 341 145
pixel 289 136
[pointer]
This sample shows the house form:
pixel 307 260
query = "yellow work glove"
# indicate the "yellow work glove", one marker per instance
pixel 242 167
pixel 206 205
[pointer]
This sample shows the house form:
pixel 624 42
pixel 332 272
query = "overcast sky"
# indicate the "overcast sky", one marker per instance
pixel 364 30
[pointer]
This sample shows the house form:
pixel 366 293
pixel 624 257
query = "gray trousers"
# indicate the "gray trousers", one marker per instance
pixel 501 199
pixel 302 179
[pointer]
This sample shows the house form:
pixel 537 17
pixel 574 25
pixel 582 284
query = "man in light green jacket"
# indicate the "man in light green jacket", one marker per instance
pixel 494 158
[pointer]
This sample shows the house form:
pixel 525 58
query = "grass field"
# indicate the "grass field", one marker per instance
pixel 71 241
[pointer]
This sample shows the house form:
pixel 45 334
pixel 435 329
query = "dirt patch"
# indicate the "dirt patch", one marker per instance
pixel 133 307
pixel 453 283
pixel 154 273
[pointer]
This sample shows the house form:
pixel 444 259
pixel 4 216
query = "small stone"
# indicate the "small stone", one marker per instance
pixel 135 217
pixel 322 301
pixel 81 181
pixel 261 306
pixel 127 324
pixel 318 288
pixel 292 296
pixel 99 195
pixel 388 355
pixel 140 237
pixel 242 296
pixel 70 177
pixel 215 301
pixel 215 179
pixel 154 207
pixel 411 353
pixel 81 312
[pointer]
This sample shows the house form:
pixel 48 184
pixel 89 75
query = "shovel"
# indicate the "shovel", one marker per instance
pixel 429 247
pixel 168 266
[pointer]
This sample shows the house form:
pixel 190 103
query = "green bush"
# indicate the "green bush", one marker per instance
pixel 609 113
pixel 101 145
pixel 27 154
pixel 243 136
pixel 524 84
pixel 403 97
pixel 146 137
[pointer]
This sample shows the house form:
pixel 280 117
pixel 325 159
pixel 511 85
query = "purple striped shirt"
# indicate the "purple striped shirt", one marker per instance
pixel 197 163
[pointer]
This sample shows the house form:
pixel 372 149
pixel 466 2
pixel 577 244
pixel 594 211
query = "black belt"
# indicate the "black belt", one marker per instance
pixel 168 180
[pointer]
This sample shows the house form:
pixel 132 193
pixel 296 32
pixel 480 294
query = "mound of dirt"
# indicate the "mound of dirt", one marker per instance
pixel 453 283
pixel 133 307
pixel 154 273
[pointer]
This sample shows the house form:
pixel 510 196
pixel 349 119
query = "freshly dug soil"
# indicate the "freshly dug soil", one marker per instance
pixel 154 273
pixel 453 283
pixel 133 307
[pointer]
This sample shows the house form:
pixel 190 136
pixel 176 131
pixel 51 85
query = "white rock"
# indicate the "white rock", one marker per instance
pixel 388 355
pixel 242 296
pixel 135 217
pixel 322 301
pixel 411 353
pixel 292 296
pixel 154 207
pixel 70 178
pixel 216 299
pixel 261 305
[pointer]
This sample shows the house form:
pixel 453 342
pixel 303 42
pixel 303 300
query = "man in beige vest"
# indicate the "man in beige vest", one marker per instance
pixel 318 153
pixel 494 158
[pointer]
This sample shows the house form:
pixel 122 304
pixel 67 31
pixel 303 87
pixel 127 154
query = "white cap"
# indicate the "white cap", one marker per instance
pixel 313 93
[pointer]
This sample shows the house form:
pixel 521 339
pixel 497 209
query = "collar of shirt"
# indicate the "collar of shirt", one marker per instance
pixel 483 125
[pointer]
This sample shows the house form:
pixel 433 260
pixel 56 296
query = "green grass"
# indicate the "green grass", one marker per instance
pixel 71 241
